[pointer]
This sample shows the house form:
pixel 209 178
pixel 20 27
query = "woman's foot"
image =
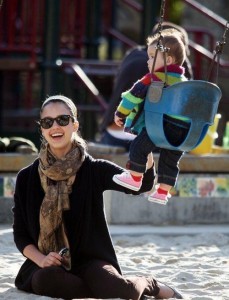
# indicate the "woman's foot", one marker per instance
pixel 166 292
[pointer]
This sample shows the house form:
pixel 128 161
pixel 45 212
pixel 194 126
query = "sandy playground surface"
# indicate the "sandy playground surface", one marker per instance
pixel 197 264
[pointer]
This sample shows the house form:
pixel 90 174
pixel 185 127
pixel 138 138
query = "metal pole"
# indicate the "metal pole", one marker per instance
pixel 151 10
pixel 93 28
pixel 51 48
pixel 1 95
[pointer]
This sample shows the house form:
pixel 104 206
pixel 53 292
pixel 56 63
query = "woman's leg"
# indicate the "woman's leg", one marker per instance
pixel 105 282
pixel 98 280
pixel 58 283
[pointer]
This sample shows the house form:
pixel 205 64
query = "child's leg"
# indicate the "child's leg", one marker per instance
pixel 168 171
pixel 165 188
pixel 140 148
pixel 168 166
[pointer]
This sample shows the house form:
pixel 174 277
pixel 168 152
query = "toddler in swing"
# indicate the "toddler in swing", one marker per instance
pixel 131 113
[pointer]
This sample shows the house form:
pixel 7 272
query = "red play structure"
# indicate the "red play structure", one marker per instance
pixel 50 48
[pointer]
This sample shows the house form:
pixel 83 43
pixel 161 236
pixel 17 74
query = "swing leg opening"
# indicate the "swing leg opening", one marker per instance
pixel 176 131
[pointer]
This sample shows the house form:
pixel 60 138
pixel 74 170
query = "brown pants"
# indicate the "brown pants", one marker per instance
pixel 98 280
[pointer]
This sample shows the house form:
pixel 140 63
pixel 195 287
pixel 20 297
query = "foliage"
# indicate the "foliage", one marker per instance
pixel 175 10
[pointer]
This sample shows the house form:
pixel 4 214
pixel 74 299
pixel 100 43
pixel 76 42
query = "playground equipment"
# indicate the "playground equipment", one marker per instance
pixel 195 100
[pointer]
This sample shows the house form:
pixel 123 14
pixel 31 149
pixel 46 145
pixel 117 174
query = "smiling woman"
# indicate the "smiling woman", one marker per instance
pixel 59 221
pixel 59 128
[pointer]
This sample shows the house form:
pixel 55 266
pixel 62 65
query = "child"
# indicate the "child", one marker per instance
pixel 175 128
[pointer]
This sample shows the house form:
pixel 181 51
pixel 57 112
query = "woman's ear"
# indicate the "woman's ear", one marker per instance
pixel 76 125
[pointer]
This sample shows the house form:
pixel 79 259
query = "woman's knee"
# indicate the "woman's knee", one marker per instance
pixel 43 278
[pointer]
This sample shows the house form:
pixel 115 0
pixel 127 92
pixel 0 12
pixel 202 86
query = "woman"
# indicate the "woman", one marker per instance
pixel 59 204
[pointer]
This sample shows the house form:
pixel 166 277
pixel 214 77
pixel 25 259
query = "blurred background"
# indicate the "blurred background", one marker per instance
pixel 74 47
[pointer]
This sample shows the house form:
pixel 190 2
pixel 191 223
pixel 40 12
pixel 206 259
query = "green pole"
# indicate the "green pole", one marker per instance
pixel 51 48
pixel 151 10
pixel 93 28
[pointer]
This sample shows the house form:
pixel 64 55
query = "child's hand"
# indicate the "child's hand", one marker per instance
pixel 118 121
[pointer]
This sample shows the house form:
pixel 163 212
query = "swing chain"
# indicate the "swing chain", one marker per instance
pixel 162 13
pixel 219 45
pixel 160 45
pixel 217 52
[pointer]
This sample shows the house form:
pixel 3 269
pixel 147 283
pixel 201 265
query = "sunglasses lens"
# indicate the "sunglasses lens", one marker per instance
pixel 63 120
pixel 46 123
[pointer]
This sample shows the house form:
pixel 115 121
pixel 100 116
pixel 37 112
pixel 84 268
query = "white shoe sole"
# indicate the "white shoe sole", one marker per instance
pixel 133 188
pixel 162 202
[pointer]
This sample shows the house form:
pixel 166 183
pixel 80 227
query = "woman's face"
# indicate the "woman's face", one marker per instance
pixel 58 137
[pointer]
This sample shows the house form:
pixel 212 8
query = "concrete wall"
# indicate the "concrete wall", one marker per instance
pixel 125 209
pixel 201 194
pixel 6 204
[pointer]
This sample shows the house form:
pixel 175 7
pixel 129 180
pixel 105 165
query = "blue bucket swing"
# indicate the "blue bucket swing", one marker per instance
pixel 195 100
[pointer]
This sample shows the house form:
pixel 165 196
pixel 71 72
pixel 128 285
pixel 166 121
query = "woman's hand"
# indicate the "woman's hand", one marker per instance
pixel 52 259
pixel 150 161
pixel 118 121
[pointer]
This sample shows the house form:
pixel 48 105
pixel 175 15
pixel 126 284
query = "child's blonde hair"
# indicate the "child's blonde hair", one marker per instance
pixel 170 38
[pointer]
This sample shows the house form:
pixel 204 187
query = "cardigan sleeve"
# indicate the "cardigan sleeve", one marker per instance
pixel 27 198
pixel 108 169
pixel 20 226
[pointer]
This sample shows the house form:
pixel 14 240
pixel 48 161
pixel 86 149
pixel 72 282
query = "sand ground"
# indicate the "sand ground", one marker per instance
pixel 194 259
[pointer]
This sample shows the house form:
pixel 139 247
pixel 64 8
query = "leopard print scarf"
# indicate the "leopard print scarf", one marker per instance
pixel 57 177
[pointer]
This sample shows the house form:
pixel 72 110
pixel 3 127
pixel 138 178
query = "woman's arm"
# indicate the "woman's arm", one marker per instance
pixel 21 227
pixel 52 259
pixel 24 236
pixel 108 169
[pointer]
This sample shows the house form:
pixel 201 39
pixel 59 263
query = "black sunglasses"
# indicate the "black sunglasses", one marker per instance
pixel 62 120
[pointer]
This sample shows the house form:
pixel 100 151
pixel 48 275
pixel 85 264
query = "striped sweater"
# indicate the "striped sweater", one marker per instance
pixel 132 100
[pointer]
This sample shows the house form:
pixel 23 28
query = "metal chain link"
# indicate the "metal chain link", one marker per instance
pixel 159 46
pixel 217 52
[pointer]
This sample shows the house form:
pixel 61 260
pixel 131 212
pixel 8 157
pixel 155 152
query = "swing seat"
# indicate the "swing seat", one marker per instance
pixel 196 100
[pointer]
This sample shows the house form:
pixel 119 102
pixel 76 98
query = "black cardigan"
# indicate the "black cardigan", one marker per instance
pixel 85 222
